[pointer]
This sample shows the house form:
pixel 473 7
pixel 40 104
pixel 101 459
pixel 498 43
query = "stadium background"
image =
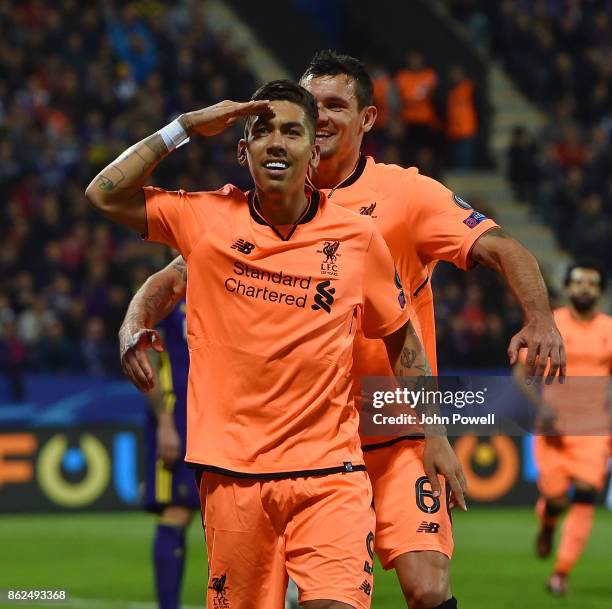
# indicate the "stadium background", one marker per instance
pixel 82 81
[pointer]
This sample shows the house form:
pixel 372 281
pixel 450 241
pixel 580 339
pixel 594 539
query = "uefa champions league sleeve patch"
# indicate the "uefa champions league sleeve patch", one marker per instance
pixel 461 203
pixel 474 219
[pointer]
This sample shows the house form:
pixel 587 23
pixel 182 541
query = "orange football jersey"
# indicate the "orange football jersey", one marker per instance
pixel 422 222
pixel 271 322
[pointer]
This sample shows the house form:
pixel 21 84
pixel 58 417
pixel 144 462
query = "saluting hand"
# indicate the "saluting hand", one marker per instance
pixel 215 119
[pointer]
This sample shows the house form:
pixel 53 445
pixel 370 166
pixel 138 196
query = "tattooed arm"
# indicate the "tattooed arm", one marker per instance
pixel 159 294
pixel 117 191
pixel 411 366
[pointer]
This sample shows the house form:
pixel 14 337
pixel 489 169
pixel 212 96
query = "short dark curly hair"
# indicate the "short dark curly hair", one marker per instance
pixel 587 263
pixel 287 90
pixel 331 63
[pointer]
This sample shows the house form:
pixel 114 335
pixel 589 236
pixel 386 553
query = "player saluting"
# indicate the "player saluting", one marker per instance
pixel 422 222
pixel 270 418
pixel 580 405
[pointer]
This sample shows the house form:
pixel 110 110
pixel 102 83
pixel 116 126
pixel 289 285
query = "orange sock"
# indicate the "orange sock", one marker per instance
pixel 574 536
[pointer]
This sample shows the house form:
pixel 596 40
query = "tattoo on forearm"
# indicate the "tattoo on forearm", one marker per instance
pixel 139 159
pixel 156 145
pixel 156 301
pixel 424 368
pixel 105 183
pixel 408 357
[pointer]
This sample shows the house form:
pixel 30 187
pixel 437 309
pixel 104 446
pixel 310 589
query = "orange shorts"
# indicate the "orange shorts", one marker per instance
pixel 318 530
pixel 577 458
pixel 408 517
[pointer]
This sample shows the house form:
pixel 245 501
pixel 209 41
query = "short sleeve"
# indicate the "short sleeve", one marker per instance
pixel 442 224
pixel 385 308
pixel 175 218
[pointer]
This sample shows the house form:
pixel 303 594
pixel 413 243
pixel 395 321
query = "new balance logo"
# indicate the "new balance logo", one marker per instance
pixel 366 587
pixel 244 247
pixel 324 297
pixel 428 527
pixel 367 210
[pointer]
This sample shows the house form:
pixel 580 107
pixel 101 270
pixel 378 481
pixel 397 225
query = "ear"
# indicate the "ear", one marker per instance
pixel 315 156
pixel 369 118
pixel 241 152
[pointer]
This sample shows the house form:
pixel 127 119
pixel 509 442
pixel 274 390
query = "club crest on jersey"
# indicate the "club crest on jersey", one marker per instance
pixel 461 203
pixel 474 219
pixel 217 584
pixel 329 264
pixel 368 210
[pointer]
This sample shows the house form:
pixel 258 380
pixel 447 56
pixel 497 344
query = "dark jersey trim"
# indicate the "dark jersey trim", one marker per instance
pixel 368 447
pixel 308 214
pixel 421 286
pixel 359 169
pixel 341 469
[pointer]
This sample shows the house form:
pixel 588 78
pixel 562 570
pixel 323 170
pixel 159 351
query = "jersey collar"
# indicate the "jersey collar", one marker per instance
pixel 314 199
pixel 351 179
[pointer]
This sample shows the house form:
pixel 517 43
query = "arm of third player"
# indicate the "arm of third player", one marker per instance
pixel 155 299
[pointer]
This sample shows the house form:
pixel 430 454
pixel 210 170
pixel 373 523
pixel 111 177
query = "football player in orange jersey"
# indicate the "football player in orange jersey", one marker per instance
pixel 422 222
pixel 279 282
pixel 565 459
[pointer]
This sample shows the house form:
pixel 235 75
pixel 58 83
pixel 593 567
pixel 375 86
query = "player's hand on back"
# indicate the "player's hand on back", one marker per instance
pixel 440 458
pixel 135 362
pixel 545 350
pixel 214 119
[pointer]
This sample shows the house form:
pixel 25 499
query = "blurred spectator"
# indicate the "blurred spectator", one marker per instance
pixel 55 352
pixel 416 85
pixel 522 164
pixel 99 355
pixel 13 360
pixel 461 119
pixel 34 320
pixel 386 97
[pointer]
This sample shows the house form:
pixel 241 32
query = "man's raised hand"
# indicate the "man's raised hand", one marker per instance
pixel 214 119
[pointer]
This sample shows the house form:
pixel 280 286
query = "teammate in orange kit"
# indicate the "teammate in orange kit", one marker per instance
pixel 279 280
pixel 580 406
pixel 422 222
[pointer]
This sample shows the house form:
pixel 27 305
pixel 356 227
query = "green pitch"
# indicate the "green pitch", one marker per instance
pixel 103 561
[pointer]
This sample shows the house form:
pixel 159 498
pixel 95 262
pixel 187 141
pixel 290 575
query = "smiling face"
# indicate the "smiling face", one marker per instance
pixel 342 123
pixel 279 149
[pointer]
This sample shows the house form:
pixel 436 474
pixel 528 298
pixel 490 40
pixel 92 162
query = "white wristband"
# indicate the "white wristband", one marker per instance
pixel 173 135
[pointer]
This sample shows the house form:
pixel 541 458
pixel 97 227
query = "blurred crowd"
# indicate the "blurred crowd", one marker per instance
pixel 80 83
pixel 560 54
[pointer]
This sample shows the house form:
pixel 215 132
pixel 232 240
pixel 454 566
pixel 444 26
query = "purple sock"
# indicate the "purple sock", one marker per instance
pixel 169 560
